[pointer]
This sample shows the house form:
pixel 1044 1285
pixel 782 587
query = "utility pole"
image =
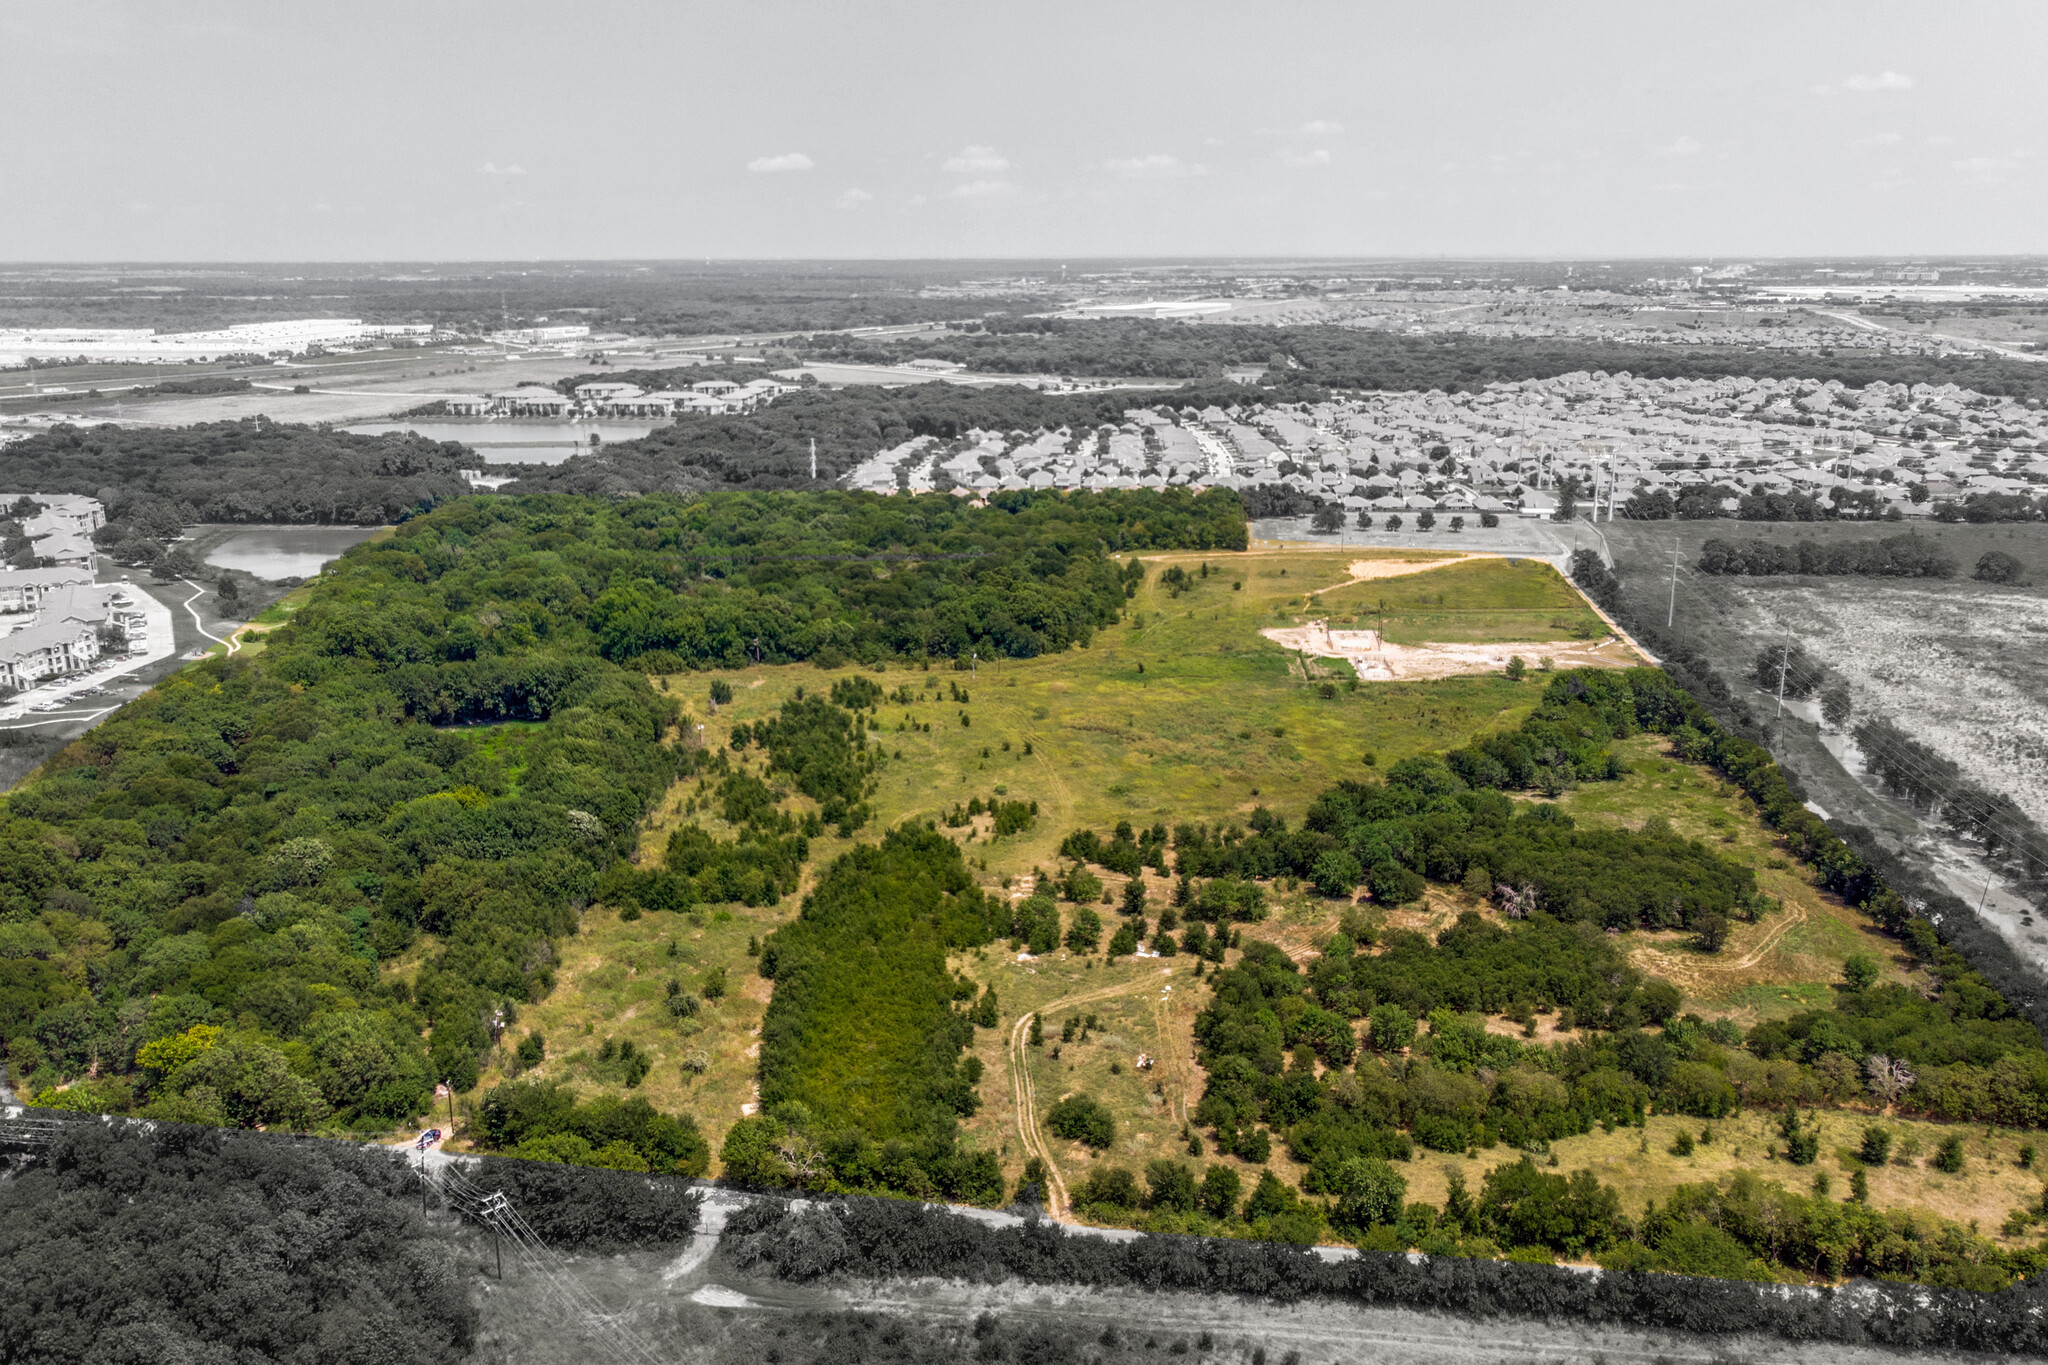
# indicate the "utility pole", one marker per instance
pixel 1671 607
pixel 1784 667
pixel 495 1208
pixel 814 459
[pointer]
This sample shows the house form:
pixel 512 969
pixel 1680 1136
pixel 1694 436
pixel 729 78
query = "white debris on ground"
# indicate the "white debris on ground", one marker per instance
pixel 1376 660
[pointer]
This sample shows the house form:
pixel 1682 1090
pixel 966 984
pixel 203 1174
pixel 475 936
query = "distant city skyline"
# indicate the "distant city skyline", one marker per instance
pixel 231 131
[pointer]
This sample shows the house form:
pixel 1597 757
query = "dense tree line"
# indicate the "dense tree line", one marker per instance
pixel 843 575
pixel 2010 838
pixel 592 1208
pixel 155 481
pixel 862 1081
pixel 544 1121
pixel 1350 358
pixel 198 893
pixel 879 1239
pixel 1706 502
pixel 1907 556
pixel 771 448
pixel 136 1243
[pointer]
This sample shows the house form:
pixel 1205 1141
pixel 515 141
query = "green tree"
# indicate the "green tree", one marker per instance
pixel 1337 873
pixel 1710 931
pixel 1392 1028
pixel 1269 1198
pixel 1082 1118
pixel 1170 1185
pixel 1370 1193
pixel 1860 971
pixel 1522 1206
pixel 1221 1186
pixel 254 1085
pixel 1084 935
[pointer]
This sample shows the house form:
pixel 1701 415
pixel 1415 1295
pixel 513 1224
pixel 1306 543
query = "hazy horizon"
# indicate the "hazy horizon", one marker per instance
pixel 229 132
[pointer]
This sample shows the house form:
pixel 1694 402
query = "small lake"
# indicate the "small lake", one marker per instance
pixel 274 552
pixel 516 442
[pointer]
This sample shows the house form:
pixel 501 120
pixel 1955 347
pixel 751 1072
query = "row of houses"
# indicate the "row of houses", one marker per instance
pixel 1511 447
pixel 611 399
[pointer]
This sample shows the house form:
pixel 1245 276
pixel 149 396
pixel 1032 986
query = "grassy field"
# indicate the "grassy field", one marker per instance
pixel 1783 963
pixel 1639 1164
pixel 1469 601
pixel 1182 714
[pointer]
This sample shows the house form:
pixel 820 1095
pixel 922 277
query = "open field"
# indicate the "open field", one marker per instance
pixel 1218 722
pixel 1955 663
pixel 1777 966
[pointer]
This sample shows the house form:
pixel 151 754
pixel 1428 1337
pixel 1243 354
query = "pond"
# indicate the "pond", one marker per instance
pixel 515 442
pixel 274 552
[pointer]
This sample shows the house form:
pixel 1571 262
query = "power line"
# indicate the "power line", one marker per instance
pixel 494 1209
pixel 1901 760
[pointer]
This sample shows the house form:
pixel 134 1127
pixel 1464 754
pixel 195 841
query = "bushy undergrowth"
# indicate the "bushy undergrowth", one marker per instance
pixel 175 1243
pixel 876 1239
pixel 862 1082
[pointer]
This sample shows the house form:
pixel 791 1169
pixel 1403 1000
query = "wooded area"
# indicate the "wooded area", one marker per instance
pixel 1352 358
pixel 195 897
pixel 862 1083
pixel 155 481
pixel 178 1243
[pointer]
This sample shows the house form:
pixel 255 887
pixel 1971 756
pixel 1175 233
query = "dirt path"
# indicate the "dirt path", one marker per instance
pixel 1025 1094
pixel 1682 969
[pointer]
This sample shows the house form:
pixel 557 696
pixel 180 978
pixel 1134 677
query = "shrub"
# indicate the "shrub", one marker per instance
pixel 1081 1118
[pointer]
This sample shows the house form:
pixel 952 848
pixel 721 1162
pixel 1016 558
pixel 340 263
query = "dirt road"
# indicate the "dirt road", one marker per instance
pixel 1057 1201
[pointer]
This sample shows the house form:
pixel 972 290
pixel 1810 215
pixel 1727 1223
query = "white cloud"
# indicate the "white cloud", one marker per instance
pixel 1320 128
pixel 977 161
pixel 1319 157
pixel 489 168
pixel 1883 80
pixel 1987 166
pixel 1938 140
pixel 1684 146
pixel 1879 140
pixel 788 161
pixel 981 189
pixel 853 199
pixel 1155 167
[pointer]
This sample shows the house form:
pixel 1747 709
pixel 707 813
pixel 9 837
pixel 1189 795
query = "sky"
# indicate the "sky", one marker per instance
pixel 212 130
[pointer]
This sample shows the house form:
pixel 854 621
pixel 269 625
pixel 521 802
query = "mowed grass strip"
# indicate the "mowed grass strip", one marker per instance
pixel 1473 601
